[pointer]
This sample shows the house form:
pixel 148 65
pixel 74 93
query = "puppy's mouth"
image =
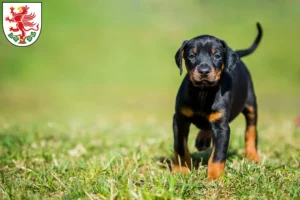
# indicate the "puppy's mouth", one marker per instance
pixel 203 83
pixel 208 80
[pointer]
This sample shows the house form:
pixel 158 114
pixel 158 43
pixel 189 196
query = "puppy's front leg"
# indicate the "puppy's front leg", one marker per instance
pixel 221 135
pixel 182 155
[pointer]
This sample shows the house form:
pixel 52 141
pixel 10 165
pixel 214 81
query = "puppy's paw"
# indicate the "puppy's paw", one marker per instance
pixel 252 156
pixel 180 169
pixel 215 170
pixel 215 177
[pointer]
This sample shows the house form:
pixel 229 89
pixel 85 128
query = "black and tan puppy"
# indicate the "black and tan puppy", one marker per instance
pixel 215 90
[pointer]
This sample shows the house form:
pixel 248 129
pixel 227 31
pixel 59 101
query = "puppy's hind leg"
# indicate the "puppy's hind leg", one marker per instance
pixel 250 113
pixel 203 140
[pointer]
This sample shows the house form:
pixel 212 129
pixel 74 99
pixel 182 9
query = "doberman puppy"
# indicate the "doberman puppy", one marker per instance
pixel 215 90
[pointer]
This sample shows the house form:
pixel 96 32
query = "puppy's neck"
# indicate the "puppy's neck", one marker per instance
pixel 203 95
pixel 201 90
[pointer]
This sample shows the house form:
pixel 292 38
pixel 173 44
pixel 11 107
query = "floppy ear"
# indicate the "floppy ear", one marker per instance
pixel 178 56
pixel 231 57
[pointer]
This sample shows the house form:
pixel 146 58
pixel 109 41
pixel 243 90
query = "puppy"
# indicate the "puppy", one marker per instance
pixel 215 90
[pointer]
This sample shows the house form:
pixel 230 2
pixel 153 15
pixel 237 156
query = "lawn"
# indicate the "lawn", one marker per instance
pixel 86 112
pixel 104 160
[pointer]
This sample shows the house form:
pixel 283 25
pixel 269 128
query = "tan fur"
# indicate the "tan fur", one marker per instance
pixel 188 112
pixel 215 169
pixel 215 116
pixel 251 152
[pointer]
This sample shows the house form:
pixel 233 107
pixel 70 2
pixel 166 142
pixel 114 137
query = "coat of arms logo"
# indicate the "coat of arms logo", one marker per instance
pixel 22 22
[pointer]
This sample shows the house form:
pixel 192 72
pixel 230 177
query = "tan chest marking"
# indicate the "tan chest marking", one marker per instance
pixel 215 116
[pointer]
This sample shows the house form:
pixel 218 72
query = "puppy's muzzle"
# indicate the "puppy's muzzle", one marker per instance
pixel 204 70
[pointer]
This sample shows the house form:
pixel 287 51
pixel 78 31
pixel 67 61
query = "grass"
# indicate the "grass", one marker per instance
pixel 85 112
pixel 102 160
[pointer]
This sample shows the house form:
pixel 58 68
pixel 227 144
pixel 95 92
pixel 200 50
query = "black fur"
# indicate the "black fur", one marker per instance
pixel 207 94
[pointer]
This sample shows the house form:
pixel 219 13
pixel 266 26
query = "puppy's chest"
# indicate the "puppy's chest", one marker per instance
pixel 199 109
pixel 201 103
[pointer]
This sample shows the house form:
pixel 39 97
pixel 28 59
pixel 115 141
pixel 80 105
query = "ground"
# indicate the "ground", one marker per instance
pixel 128 157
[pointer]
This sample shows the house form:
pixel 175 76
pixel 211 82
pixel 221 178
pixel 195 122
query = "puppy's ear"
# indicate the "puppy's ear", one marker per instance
pixel 178 56
pixel 231 57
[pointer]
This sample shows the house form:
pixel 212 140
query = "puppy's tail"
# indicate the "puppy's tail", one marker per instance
pixel 248 51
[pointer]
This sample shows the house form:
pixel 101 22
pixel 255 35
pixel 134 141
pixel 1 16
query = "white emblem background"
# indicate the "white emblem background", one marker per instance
pixel 33 8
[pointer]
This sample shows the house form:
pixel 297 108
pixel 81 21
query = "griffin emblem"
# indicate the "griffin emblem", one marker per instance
pixel 22 22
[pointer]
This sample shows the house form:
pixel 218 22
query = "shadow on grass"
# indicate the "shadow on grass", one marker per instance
pixel 199 158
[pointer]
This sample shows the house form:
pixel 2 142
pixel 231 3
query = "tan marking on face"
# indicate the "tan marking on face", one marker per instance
pixel 182 52
pixel 194 50
pixel 183 163
pixel 215 74
pixel 250 140
pixel 215 169
pixel 194 75
pixel 218 73
pixel 213 51
pixel 215 116
pixel 212 74
pixel 186 111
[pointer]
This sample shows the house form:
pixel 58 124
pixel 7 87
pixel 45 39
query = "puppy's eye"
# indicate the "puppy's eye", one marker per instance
pixel 217 56
pixel 191 56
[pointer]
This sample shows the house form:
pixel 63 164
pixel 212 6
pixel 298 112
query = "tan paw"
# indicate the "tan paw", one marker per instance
pixel 252 156
pixel 215 170
pixel 180 169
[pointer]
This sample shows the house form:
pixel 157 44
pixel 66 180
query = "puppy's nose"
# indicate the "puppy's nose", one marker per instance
pixel 204 70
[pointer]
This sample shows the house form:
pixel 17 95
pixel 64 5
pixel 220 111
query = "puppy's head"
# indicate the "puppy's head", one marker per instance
pixel 206 58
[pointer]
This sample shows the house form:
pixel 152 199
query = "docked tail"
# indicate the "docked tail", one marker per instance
pixel 248 51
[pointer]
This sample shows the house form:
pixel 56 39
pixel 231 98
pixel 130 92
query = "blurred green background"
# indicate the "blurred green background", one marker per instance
pixel 115 59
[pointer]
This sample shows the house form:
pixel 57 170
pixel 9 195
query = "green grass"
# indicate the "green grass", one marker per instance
pixel 85 113
pixel 104 160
